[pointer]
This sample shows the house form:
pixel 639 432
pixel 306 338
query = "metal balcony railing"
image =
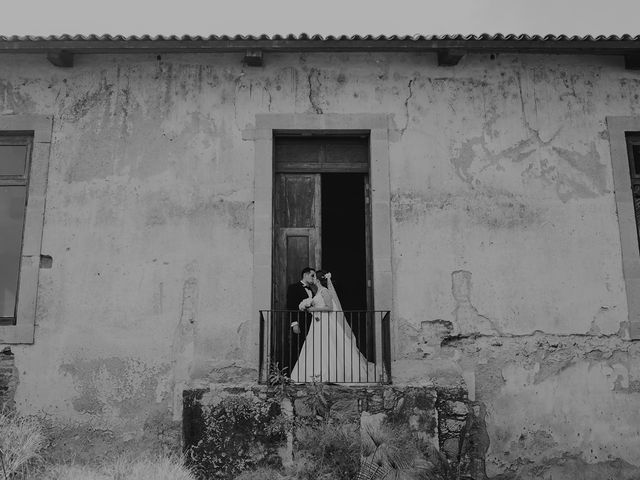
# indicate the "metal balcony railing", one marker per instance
pixel 332 347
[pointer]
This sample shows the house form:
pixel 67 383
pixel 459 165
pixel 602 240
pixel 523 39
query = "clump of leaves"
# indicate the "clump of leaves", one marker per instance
pixel 278 378
pixel 21 441
pixel 330 449
pixel 391 452
pixel 239 431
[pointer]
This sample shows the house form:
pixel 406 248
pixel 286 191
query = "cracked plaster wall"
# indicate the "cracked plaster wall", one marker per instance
pixel 503 223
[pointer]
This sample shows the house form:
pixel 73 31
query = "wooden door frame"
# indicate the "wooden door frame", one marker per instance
pixel 266 126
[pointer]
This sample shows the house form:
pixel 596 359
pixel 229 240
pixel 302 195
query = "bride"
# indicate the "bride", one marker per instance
pixel 329 352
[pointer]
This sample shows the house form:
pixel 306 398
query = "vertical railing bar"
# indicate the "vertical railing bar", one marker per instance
pixel 388 342
pixel 357 326
pixel 347 324
pixel 335 316
pixel 261 351
pixel 384 344
pixel 372 321
pixel 295 345
pixel 328 345
pixel 366 340
pixel 284 319
pixel 320 322
pixel 272 339
pixel 344 350
pixel 269 341
pixel 365 313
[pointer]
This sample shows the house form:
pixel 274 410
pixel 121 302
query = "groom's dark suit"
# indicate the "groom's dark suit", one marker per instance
pixel 296 292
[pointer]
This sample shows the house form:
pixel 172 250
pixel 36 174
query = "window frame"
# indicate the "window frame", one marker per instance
pixel 618 128
pixel 39 127
pixel 17 180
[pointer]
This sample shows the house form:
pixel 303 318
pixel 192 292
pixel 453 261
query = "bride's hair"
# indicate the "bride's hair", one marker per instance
pixel 320 275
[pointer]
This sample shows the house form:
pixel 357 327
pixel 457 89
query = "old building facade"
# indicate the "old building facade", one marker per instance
pixel 501 224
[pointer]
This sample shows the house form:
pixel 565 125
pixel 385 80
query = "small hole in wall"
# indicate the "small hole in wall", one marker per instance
pixel 46 261
pixel 492 56
pixel 159 58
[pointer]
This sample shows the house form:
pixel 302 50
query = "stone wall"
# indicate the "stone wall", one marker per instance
pixel 8 379
pixel 228 429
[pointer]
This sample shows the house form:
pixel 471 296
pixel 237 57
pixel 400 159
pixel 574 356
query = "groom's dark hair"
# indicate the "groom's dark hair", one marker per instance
pixel 306 270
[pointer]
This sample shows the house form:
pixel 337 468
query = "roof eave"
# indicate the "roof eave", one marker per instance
pixel 222 45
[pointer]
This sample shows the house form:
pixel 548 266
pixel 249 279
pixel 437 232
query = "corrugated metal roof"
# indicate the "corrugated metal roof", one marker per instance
pixel 601 44
pixel 305 37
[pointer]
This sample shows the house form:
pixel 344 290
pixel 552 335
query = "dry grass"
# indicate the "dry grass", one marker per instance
pixel 21 441
pixel 74 472
pixel 145 468
pixel 262 474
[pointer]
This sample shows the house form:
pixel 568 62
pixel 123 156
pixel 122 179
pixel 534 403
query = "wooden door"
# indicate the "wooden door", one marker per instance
pixel 297 230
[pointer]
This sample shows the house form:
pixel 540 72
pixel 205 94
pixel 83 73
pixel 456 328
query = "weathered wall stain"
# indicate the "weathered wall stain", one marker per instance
pixel 315 84
pixel 548 373
pixel 12 100
pixel 163 208
pixel 113 387
pixel 467 320
pixel 184 338
pixel 489 207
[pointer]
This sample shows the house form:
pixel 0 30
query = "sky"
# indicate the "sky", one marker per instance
pixel 328 17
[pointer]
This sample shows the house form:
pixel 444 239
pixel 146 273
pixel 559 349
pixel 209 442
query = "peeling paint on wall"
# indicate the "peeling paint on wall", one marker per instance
pixel 183 350
pixel 114 387
pixel 467 320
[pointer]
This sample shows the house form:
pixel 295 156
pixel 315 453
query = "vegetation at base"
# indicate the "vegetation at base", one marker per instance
pixel 330 444
pixel 235 428
pixel 145 468
pixel 23 441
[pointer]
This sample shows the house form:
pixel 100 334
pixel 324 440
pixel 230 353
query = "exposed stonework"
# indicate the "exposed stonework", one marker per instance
pixel 467 320
pixel 228 428
pixel 8 379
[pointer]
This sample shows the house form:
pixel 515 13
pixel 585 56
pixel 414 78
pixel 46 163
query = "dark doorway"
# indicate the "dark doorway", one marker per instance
pixel 344 250
pixel 343 237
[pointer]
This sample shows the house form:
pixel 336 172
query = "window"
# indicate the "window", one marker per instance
pixel 624 138
pixel 633 152
pixel 24 158
pixel 15 152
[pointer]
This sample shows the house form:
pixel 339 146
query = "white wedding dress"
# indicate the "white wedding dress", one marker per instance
pixel 329 352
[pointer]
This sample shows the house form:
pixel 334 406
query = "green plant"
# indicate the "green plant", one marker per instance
pixel 278 378
pixel 328 449
pixel 393 453
pixel 318 400
pixel 239 433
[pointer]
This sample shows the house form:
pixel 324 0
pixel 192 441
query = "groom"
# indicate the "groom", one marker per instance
pixel 300 321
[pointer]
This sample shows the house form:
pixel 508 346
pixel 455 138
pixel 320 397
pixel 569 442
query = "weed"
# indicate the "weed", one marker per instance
pixel 124 468
pixel 21 441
